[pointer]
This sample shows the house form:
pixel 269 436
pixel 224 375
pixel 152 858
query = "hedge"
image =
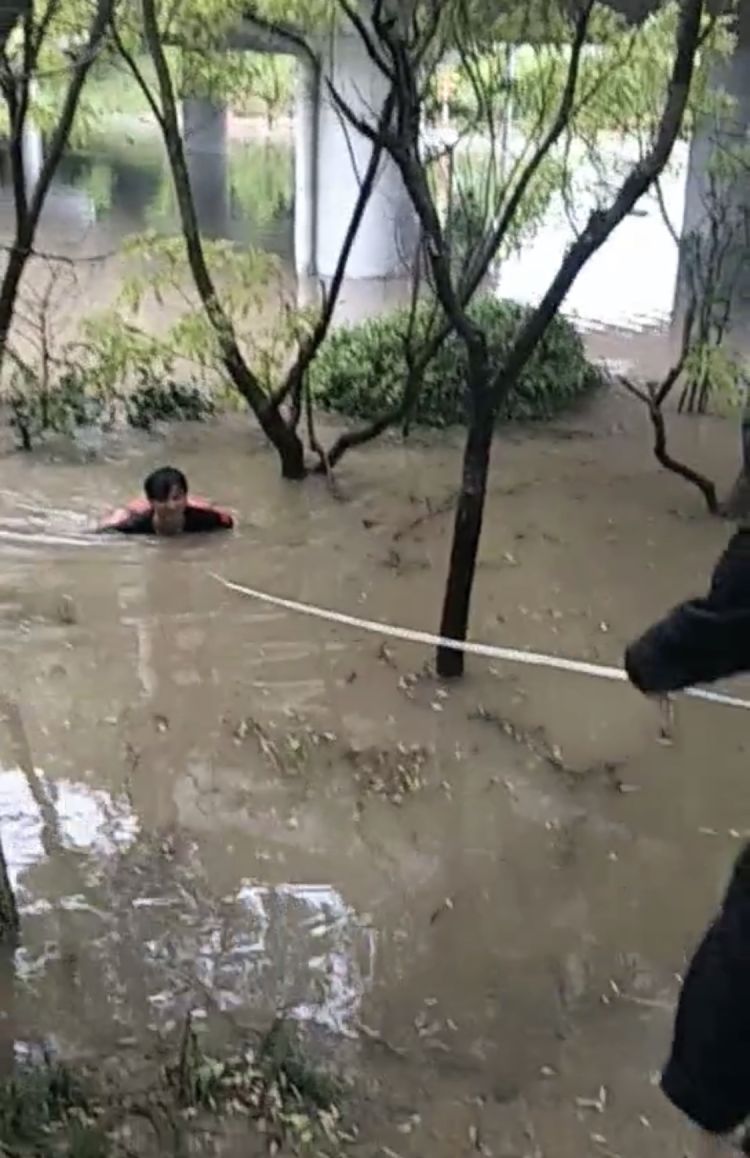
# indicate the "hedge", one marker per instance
pixel 361 369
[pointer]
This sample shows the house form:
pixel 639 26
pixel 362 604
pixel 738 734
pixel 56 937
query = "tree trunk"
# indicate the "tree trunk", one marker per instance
pixel 737 505
pixel 17 259
pixel 8 910
pixel 467 529
pixel 287 443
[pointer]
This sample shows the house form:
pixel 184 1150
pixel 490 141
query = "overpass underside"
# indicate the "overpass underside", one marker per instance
pixel 329 160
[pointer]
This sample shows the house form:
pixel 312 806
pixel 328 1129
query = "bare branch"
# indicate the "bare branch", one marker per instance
pixel 138 76
pixel 367 39
pixel 556 130
pixel 671 228
pixel 601 223
pixel 312 344
pixel 80 70
pixel 244 379
pixel 28 210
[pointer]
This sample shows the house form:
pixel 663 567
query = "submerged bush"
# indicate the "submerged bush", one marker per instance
pixel 72 402
pixel 156 401
pixel 361 369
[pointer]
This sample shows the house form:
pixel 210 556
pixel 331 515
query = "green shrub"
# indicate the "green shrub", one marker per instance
pixel 73 402
pixel 361 369
pixel 156 401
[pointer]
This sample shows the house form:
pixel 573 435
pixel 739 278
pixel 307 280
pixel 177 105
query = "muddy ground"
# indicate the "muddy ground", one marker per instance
pixel 483 892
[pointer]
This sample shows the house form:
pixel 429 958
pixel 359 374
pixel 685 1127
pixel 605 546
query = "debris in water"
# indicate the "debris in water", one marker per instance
pixel 391 773
pixel 445 907
pixel 386 655
pixel 66 610
pixel 598 1104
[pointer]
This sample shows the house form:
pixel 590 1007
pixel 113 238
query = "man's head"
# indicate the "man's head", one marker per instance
pixel 167 490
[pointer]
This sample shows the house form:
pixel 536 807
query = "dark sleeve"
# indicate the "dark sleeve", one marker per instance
pixel 132 523
pixel 702 640
pixel 202 519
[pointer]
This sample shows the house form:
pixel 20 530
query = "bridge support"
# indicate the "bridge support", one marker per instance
pixel 331 158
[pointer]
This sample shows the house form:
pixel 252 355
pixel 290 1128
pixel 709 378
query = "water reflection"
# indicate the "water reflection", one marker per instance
pixel 162 943
pixel 121 185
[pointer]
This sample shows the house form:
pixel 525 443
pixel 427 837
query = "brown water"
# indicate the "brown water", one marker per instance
pixel 208 803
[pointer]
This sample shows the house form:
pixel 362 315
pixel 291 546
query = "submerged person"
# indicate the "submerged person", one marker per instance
pixel 707 1075
pixel 167 509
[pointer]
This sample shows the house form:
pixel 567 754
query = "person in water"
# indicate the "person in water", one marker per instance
pixel 167 509
pixel 707 1075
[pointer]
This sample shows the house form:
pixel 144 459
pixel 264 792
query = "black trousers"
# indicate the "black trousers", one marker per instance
pixel 707 1075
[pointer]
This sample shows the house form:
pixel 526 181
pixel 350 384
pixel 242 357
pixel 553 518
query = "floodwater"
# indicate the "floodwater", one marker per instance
pixel 485 891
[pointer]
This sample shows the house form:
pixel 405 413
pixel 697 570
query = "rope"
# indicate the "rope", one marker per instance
pixel 490 651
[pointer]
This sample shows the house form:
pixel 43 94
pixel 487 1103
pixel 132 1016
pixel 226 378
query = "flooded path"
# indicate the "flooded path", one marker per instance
pixel 487 890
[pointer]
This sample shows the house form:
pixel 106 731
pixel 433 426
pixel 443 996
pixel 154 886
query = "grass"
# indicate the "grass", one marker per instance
pixel 49 1110
pixel 45 1111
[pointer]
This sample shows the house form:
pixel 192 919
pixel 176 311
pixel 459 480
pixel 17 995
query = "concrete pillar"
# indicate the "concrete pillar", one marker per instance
pixel 204 129
pixel 388 234
pixel 32 149
pixel 715 140
pixel 306 123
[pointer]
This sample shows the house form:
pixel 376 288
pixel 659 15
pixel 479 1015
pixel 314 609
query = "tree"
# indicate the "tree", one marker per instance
pixel 53 41
pixel 654 395
pixel 405 50
pixel 278 411
pixel 714 261
pixel 30 44
pixel 585 70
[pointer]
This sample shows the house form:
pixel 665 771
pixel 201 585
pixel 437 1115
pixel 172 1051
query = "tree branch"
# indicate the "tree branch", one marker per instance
pixel 238 369
pixel 28 211
pixel 138 76
pixel 368 41
pixel 312 344
pixel 601 223
pixel 556 130
pixel 79 73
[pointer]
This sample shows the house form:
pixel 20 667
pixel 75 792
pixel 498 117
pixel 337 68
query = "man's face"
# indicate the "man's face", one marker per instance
pixel 169 515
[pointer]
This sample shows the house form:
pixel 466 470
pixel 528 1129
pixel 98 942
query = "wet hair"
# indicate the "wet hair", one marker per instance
pixel 162 482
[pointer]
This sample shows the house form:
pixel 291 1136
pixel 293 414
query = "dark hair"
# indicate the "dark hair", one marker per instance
pixel 162 482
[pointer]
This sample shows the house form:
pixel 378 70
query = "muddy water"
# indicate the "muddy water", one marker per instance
pixel 210 804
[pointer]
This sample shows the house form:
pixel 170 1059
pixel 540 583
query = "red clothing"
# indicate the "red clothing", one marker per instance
pixel 137 518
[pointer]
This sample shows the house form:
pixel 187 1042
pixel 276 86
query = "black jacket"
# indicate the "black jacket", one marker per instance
pixel 704 639
pixel 708 1073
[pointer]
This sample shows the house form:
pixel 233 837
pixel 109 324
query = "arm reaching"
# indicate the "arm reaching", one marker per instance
pixel 702 640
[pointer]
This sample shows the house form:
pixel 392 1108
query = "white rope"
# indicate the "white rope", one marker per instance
pixel 509 654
